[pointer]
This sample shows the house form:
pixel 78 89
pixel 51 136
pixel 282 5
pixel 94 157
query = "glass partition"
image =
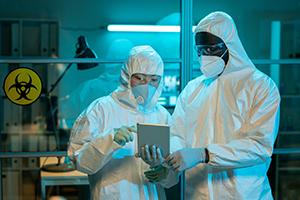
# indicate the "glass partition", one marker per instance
pixel 52 30
pixel 56 35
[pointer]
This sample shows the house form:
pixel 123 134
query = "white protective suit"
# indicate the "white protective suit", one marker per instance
pixel 114 171
pixel 235 116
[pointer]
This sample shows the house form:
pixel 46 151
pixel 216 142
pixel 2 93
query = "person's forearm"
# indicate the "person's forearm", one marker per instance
pixel 238 153
pixel 94 155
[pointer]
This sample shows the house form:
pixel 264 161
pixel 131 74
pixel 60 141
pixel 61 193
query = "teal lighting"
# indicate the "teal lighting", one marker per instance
pixel 144 28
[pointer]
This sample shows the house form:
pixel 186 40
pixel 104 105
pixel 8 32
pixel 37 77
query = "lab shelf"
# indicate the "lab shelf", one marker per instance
pixel 289 132
pixel 290 96
pixel 23 169
pixel 289 168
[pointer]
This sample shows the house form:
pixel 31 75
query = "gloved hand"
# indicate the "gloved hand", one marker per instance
pixel 151 155
pixel 157 173
pixel 124 134
pixel 186 158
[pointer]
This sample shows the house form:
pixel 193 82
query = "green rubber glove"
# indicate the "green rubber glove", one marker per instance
pixel 124 135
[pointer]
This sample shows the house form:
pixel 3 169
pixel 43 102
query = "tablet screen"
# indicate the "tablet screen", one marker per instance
pixel 157 134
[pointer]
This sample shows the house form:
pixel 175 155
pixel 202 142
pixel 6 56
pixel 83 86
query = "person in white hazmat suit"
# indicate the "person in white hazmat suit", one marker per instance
pixel 225 122
pixel 103 141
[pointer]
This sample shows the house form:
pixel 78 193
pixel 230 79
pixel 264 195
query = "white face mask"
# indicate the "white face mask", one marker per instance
pixel 143 93
pixel 211 66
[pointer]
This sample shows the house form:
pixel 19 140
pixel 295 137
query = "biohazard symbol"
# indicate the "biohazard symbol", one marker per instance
pixel 22 86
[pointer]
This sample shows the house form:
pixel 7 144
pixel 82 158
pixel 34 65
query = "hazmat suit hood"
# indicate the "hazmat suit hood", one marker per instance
pixel 145 60
pixel 222 25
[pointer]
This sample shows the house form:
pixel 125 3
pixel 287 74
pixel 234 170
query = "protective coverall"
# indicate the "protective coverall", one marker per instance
pixel 113 171
pixel 235 116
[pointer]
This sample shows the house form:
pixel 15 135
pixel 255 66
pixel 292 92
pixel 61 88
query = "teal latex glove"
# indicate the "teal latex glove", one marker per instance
pixel 157 173
pixel 151 155
pixel 124 134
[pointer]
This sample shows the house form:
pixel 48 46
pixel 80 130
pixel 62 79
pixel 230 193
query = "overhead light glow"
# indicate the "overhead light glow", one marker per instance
pixel 144 28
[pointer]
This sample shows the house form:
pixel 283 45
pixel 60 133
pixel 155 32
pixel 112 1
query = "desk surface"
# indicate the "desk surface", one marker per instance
pixel 55 175
pixel 59 178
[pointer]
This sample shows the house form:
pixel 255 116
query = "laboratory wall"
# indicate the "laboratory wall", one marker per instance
pixel 49 29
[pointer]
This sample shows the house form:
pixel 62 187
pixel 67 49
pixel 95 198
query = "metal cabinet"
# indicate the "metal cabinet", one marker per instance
pixel 34 39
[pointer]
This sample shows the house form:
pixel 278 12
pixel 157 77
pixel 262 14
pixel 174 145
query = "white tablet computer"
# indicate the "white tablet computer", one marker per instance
pixel 157 134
